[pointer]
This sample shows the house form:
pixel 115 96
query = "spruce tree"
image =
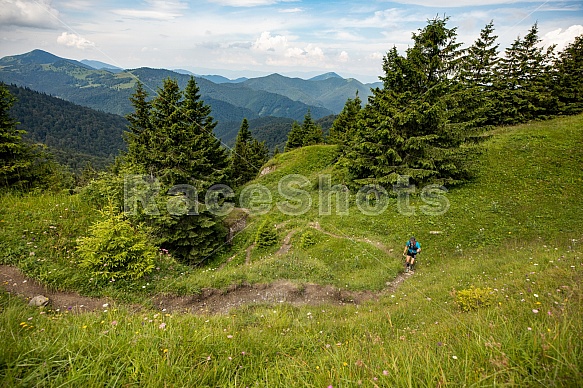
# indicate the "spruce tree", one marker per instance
pixel 313 133
pixel 139 135
pixel 524 81
pixel 407 128
pixel 295 137
pixel 309 133
pixel 569 77
pixel 344 126
pixel 16 157
pixel 180 151
pixel 477 76
pixel 247 157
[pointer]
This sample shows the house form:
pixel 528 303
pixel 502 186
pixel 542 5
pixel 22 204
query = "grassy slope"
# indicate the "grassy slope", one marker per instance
pixel 516 229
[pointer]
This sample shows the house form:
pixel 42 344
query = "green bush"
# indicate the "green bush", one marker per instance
pixel 116 250
pixel 474 298
pixel 307 239
pixel 266 234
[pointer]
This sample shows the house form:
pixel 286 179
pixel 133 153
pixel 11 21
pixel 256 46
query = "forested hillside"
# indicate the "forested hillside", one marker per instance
pixel 74 134
pixel 108 91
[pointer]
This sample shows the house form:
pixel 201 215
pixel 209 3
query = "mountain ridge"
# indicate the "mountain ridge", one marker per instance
pixel 107 89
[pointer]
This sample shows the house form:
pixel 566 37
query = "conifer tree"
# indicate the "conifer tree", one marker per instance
pixel 248 156
pixel 295 137
pixel 344 126
pixel 182 153
pixel 524 81
pixel 303 135
pixel 16 158
pixel 569 77
pixel 139 136
pixel 407 128
pixel 477 77
pixel 313 133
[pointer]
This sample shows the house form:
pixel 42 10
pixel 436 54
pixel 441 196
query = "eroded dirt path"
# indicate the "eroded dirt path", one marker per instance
pixel 210 301
pixel 16 283
pixel 213 301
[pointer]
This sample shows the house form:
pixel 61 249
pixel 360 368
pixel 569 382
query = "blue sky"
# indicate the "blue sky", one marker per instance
pixel 256 37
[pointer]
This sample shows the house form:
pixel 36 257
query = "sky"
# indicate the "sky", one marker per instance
pixel 249 38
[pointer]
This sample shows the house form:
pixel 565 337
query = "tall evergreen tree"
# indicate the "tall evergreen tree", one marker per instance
pixel 407 128
pixel 139 138
pixel 569 77
pixel 248 156
pixel 182 153
pixel 524 81
pixel 313 133
pixel 295 137
pixel 477 77
pixel 309 133
pixel 16 158
pixel 344 126
pixel 239 158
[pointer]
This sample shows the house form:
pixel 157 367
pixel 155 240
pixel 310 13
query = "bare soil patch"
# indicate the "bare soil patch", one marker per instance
pixel 16 283
pixel 210 301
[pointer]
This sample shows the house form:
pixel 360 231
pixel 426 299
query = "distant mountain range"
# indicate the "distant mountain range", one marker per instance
pixel 270 103
pixel 108 88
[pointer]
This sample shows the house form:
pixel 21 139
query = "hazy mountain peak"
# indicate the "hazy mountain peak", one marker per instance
pixel 37 56
pixel 325 76
pixel 99 65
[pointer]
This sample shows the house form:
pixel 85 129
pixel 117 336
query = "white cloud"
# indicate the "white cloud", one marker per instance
pixel 72 40
pixel 344 57
pixel 291 10
pixel 266 42
pixel 244 3
pixel 562 38
pixel 156 10
pixel 460 3
pixel 38 14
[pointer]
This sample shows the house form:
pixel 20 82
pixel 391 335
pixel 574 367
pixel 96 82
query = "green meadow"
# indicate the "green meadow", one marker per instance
pixel 495 299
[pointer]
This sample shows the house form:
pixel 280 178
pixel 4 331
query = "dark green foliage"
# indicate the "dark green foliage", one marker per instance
pixel 247 157
pixel 344 127
pixel 15 156
pixel 74 134
pixel 25 166
pixel 524 81
pixel 295 137
pixel 172 140
pixel 303 135
pixel 407 128
pixel 116 250
pixel 569 77
pixel 266 234
pixel 477 75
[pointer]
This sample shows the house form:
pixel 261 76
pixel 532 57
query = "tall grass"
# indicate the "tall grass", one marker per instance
pixel 515 230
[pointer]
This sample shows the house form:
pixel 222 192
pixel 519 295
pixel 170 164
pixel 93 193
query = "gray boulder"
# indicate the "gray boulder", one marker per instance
pixel 39 301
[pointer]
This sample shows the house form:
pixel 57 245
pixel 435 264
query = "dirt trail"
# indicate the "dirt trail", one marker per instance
pixel 210 301
pixel 15 282
pixel 213 301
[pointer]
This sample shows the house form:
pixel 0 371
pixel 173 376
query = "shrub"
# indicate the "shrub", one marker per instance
pixel 474 298
pixel 116 250
pixel 266 234
pixel 307 239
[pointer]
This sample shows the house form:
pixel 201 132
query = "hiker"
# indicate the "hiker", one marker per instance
pixel 412 248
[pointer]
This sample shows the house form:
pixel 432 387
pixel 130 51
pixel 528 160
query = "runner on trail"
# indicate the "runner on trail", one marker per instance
pixel 412 248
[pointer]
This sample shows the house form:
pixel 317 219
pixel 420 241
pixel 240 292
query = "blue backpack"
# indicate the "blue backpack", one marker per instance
pixel 413 248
